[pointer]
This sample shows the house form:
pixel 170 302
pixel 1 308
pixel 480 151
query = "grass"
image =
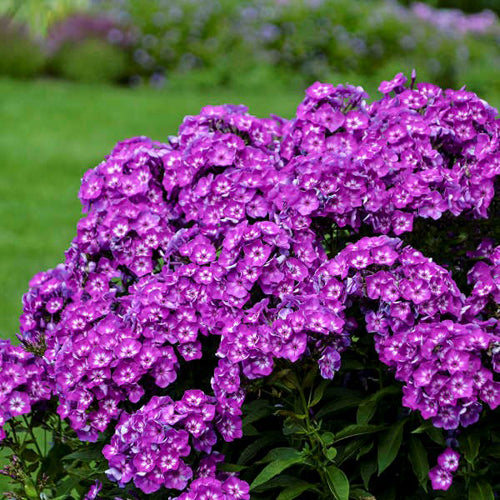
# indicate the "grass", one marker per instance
pixel 51 133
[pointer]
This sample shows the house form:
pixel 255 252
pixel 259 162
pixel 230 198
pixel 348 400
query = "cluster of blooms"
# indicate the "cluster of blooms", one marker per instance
pixel 94 490
pixel 441 475
pixel 230 488
pixel 213 235
pixel 485 278
pixel 108 319
pixel 418 153
pixel 440 361
pixel 149 445
pixel 455 21
pixel 23 382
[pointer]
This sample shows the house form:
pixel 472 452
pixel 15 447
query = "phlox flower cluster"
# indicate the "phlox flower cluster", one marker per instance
pixel 206 249
pixel 149 446
pixel 418 152
pixel 440 360
pixel 23 382
pixel 485 279
pixel 441 475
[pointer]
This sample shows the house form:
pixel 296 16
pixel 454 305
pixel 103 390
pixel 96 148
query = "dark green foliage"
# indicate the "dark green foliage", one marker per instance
pixel 300 439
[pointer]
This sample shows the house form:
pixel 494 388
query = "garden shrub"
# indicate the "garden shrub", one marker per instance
pixel 306 41
pixel 90 48
pixel 303 308
pixel 79 27
pixel 20 55
pixel 91 61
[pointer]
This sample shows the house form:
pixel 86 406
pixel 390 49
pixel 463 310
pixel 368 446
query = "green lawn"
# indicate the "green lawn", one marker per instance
pixel 50 134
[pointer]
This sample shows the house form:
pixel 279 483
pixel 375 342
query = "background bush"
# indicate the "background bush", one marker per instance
pixel 90 49
pixel 20 55
pixel 91 61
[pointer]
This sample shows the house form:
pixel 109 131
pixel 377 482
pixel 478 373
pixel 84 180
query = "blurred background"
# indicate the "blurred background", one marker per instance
pixel 76 76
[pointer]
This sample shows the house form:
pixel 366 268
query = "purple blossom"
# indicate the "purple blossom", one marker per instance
pixel 213 236
pixel 441 479
pixel 23 382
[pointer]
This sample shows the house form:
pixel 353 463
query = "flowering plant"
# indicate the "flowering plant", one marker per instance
pixel 280 284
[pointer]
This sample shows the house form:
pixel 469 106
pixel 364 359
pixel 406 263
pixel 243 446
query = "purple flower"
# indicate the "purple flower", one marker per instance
pixel 329 363
pixel 440 478
pixel 449 460
pixel 94 491
pixel 388 86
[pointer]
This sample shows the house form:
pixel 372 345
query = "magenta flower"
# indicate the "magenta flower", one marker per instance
pixel 440 478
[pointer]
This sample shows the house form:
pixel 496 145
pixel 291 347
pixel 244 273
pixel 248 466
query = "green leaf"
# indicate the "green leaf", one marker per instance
pixel 256 410
pixel 481 490
pixel 419 461
pixel 367 470
pixel 359 494
pixel 341 404
pixel 30 490
pixel 279 482
pixel 311 375
pixel 364 450
pixel 255 446
pixel 87 454
pixel 357 430
pixel 286 379
pixel 52 464
pixel 281 459
pixel 66 485
pixel 281 453
pixel 350 449
pixel 436 435
pixel 366 411
pixel 331 453
pixel 231 467
pixel 368 407
pixel 318 393
pixel 250 430
pixel 30 455
pixel 33 467
pixel 389 445
pixel 291 426
pixel 433 432
pixel 470 446
pixel 296 489
pixel 327 438
pixel 338 483
pixel 422 427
